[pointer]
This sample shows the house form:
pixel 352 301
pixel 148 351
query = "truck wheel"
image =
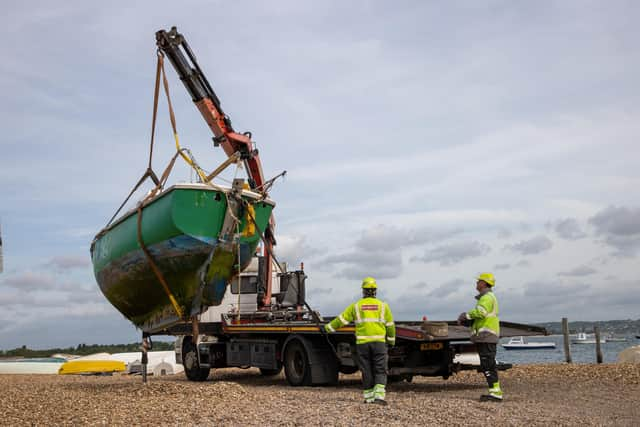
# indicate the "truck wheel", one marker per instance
pixel 192 368
pixel 271 372
pixel 296 364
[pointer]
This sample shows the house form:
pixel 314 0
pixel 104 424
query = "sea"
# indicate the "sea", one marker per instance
pixel 580 353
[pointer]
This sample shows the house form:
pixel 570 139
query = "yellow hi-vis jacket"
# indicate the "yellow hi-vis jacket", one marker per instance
pixel 372 318
pixel 486 324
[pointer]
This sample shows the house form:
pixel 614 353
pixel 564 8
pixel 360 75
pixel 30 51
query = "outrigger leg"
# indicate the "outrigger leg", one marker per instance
pixel 145 347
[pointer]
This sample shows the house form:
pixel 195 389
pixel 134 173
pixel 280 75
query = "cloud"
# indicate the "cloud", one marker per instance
pixel 378 251
pixel 390 237
pixel 360 264
pixel 419 286
pixel 532 246
pixel 69 262
pixel 447 288
pixel 620 228
pixel 578 272
pixel 453 253
pixel 504 233
pixel 569 229
pixel 29 281
pixel 295 249
pixel 319 291
pixel 552 290
pixel 443 302
pixel 501 266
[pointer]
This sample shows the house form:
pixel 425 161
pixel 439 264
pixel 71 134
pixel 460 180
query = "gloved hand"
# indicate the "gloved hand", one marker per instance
pixel 462 319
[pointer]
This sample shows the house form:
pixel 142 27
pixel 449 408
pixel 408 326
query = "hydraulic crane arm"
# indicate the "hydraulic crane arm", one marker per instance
pixel 173 45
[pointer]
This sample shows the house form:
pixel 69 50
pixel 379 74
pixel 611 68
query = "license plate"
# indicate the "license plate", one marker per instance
pixel 427 346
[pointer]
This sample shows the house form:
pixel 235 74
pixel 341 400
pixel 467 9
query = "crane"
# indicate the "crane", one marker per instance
pixel 174 46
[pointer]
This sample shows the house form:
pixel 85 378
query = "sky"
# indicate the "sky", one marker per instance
pixel 424 143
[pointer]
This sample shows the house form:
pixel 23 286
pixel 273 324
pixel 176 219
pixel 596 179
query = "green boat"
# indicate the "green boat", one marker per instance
pixel 195 239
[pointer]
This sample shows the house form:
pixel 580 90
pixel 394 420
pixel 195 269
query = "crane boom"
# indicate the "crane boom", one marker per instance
pixel 175 47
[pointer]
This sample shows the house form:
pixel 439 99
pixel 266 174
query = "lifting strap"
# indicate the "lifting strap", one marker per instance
pixel 155 268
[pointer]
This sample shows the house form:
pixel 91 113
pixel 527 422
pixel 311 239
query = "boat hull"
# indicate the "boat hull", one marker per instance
pixel 528 347
pixel 183 231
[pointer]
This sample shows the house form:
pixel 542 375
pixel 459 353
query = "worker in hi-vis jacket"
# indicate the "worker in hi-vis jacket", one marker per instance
pixel 485 332
pixel 375 330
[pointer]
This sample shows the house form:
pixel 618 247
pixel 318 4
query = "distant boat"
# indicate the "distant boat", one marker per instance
pixel 91 367
pixel 519 343
pixel 583 338
pixel 612 338
pixel 44 365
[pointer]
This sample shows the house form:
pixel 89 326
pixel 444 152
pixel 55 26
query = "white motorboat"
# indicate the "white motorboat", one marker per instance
pixel 583 338
pixel 519 343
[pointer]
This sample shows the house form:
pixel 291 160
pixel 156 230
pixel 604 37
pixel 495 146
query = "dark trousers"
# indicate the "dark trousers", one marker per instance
pixel 487 353
pixel 372 358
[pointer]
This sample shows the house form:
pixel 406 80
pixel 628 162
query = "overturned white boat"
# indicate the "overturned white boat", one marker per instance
pixel 519 343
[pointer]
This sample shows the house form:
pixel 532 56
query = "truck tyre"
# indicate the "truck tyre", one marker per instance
pixel 296 364
pixel 192 368
pixel 271 372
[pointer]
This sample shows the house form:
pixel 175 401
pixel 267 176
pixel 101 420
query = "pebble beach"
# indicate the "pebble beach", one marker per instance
pixel 558 394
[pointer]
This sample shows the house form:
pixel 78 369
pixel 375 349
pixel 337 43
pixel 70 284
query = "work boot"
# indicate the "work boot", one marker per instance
pixel 380 402
pixel 495 394
pixel 368 395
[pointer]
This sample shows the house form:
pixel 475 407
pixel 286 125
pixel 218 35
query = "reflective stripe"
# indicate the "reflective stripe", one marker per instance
pixel 495 303
pixel 330 328
pixel 368 395
pixel 382 313
pixel 367 321
pixel 388 324
pixel 343 320
pixel 357 308
pixel 482 310
pixel 491 331
pixel 370 337
pixel 391 340
pixel 379 391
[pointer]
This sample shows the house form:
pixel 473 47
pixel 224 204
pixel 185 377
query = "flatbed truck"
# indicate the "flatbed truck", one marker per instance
pixel 291 337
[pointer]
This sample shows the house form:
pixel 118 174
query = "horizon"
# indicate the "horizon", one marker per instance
pixel 173 337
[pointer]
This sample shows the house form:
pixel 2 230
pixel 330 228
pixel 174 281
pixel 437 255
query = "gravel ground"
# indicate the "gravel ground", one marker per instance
pixel 534 395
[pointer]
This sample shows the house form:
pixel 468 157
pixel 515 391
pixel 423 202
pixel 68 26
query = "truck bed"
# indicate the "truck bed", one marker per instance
pixel 409 330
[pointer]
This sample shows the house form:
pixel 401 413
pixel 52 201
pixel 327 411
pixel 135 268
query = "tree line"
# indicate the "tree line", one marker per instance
pixel 85 349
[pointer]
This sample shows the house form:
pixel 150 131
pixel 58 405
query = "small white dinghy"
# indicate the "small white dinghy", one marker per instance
pixel 583 338
pixel 519 343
